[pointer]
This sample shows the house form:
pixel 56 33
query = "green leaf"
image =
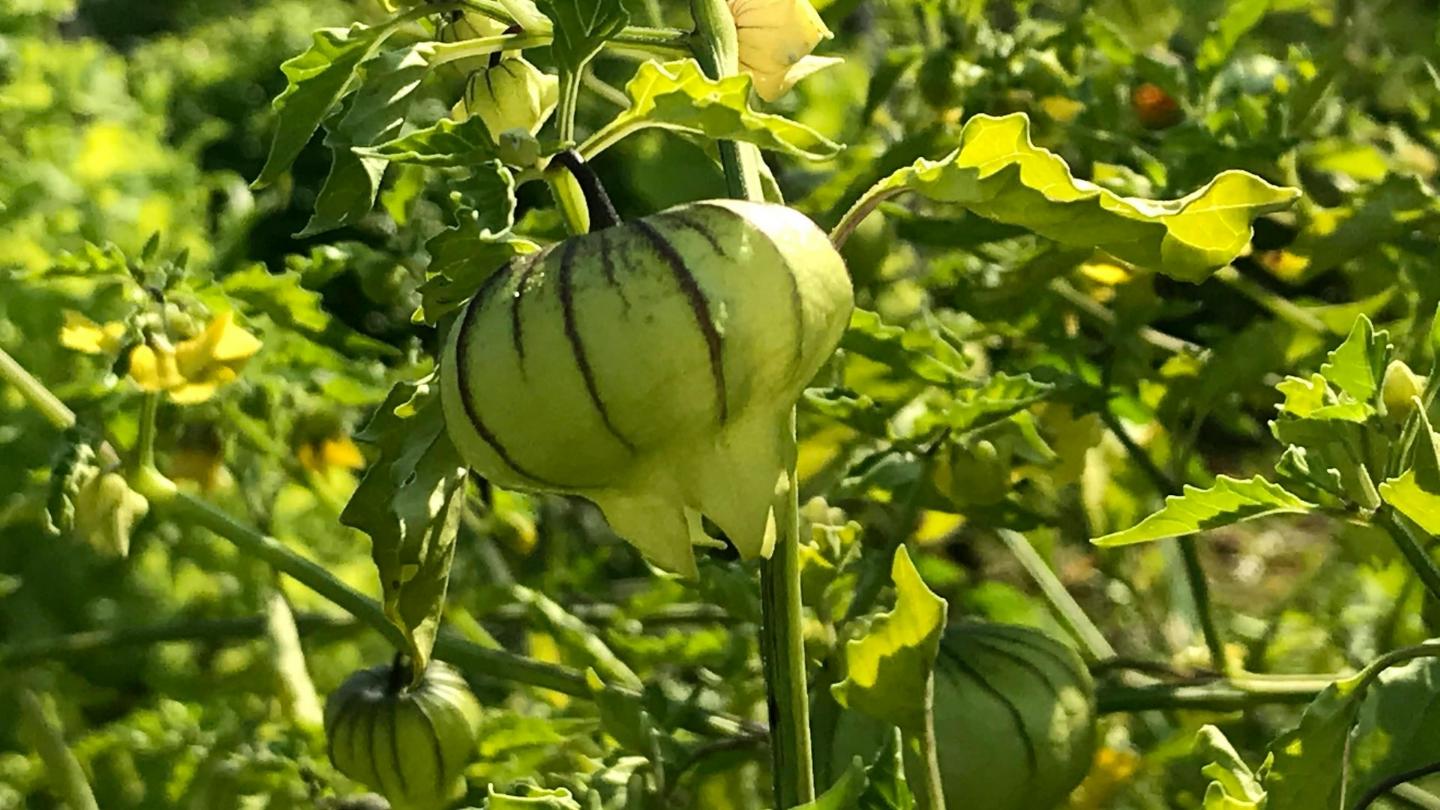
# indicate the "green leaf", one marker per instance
pixel 845 793
pixel 1416 492
pixel 1228 501
pixel 576 635
pixel 282 296
pixel 1000 396
pixel 1358 365
pixel 998 173
pixel 1398 727
pixel 460 261
pixel 534 798
pixel 409 502
pixel 376 114
pixel 1239 18
pixel 1308 765
pixel 1235 786
pixel 581 28
pixel 918 352
pixel 679 96
pixel 446 143
pixel 318 79
pixel 888 670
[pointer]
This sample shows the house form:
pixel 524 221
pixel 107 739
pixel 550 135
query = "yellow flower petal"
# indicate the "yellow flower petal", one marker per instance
pixel 81 334
pixel 775 36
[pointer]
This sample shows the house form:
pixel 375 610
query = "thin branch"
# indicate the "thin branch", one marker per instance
pixel 1373 794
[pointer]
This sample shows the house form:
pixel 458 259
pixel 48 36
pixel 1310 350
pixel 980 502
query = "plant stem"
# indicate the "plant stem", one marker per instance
pixel 1217 696
pixel 1373 794
pixel 1064 605
pixel 74 645
pixel 1403 535
pixel 717 49
pixel 67 778
pixel 920 752
pixel 145 442
pixel 782 644
pixel 35 392
pixel 1277 305
pixel 1189 552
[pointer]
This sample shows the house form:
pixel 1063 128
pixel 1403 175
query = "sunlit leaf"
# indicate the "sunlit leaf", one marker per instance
pixel 1239 17
pixel 409 502
pixel 1228 501
pixel 1357 365
pixel 1000 174
pixel 917 351
pixel 888 669
pixel 446 143
pixel 375 116
pixel 318 79
pixel 1234 785
pixel 533 798
pixel 1415 493
pixel 679 96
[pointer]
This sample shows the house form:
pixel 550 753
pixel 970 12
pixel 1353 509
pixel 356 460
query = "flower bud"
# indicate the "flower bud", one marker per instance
pixel 511 95
pixel 106 511
pixel 1399 389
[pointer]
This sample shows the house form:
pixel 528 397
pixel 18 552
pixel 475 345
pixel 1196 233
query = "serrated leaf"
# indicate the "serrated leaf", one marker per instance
pixel 1416 492
pixel 581 28
pixel 1358 365
pixel 1234 785
pixel 918 352
pixel 282 296
pixel 888 670
pixel 534 798
pixel 317 79
pixel 1000 396
pixel 998 173
pixel 1228 501
pixel 679 96
pixel 460 261
pixel 375 116
pixel 409 502
pixel 446 143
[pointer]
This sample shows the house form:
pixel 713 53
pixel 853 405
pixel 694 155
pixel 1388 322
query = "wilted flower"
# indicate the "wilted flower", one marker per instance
pixel 776 38
pixel 193 369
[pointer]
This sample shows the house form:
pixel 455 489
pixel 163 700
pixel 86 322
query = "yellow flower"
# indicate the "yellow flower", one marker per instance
pixel 776 38
pixel 84 335
pixel 192 370
pixel 329 453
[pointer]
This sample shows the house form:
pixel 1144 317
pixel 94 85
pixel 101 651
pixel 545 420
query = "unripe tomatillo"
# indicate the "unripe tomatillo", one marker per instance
pixel 410 743
pixel 510 95
pixel 651 367
pixel 1014 719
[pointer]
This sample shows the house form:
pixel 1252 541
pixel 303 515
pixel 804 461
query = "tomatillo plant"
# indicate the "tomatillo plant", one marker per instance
pixel 691 428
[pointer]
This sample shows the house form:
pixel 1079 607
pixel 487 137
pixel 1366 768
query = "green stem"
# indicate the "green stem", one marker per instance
pixel 1059 598
pixel 35 393
pixel 297 691
pixel 67 778
pixel 569 104
pixel 1218 696
pixel 145 443
pixel 75 645
pixel 920 751
pixel 1189 552
pixel 782 643
pixel 717 49
pixel 1401 532
pixel 1277 305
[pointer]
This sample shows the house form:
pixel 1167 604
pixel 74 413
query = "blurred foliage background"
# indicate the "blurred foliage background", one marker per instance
pixel 120 120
